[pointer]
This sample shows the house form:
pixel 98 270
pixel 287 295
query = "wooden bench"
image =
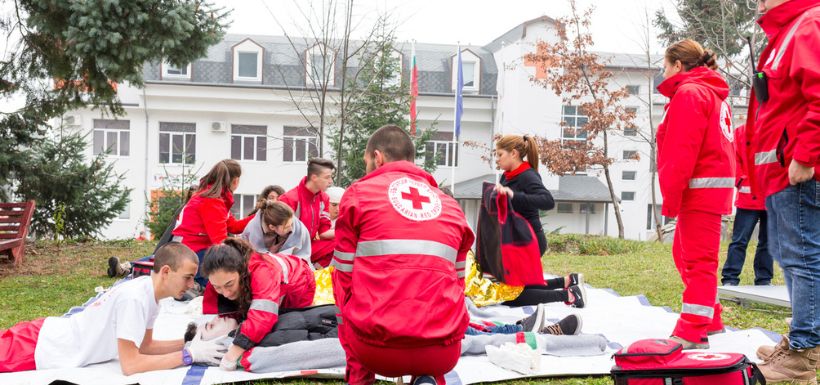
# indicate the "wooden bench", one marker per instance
pixel 14 221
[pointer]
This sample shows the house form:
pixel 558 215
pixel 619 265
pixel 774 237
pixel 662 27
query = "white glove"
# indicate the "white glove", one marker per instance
pixel 227 364
pixel 206 352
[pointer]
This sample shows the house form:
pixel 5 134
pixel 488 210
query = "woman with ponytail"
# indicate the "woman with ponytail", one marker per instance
pixel 206 219
pixel 696 168
pixel 254 287
pixel 517 156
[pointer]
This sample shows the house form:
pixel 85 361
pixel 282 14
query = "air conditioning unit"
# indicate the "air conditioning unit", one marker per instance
pixel 72 120
pixel 219 126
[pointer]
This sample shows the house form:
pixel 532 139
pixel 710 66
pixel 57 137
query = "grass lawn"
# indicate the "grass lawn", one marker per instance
pixel 55 277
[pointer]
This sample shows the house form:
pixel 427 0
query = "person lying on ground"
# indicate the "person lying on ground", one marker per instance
pixel 119 324
pixel 275 229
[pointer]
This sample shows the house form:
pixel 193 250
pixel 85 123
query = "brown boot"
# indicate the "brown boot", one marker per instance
pixel 792 366
pixel 764 352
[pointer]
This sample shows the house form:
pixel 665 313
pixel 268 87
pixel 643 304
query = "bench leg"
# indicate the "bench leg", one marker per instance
pixel 17 253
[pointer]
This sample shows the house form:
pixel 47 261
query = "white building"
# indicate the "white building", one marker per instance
pixel 238 102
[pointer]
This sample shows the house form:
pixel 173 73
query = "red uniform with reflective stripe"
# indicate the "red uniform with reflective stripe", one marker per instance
pixel 277 280
pixel 205 222
pixel 696 158
pixel 745 199
pixel 310 208
pixel 787 126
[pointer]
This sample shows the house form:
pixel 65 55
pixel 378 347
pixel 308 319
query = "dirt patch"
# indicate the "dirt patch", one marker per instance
pixel 53 258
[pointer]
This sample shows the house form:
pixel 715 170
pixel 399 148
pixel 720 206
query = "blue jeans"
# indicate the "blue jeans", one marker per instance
pixel 794 230
pixel 498 329
pixel 745 221
pixel 202 281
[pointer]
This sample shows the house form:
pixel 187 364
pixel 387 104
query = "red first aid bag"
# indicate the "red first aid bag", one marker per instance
pixel 663 362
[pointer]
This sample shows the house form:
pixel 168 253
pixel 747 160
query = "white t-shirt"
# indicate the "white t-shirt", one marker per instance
pixel 125 311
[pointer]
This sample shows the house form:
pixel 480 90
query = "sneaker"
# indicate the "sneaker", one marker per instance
pixel 570 325
pixel 576 279
pixel 577 296
pixel 765 352
pixel 534 321
pixel 117 269
pixel 688 345
pixel 797 366
pixel 425 380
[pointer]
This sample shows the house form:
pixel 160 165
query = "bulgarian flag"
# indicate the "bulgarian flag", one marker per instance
pixel 414 89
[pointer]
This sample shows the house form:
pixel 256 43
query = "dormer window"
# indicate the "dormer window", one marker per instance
pixel 170 71
pixel 247 61
pixel 471 70
pixel 320 65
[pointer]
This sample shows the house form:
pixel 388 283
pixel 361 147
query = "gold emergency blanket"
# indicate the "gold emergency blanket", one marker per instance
pixel 481 290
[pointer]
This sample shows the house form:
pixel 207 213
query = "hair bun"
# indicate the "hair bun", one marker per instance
pixel 709 59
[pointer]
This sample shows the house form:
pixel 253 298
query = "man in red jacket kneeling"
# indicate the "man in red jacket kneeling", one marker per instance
pixel 399 277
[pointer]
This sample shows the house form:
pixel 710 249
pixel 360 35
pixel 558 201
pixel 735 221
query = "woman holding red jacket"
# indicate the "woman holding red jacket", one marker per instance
pixel 696 166
pixel 206 219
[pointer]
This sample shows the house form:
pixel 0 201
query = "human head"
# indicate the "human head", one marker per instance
pixel 272 192
pixel 226 267
pixel 764 6
pixel 277 217
pixel 685 55
pixel 175 266
pixel 319 174
pixel 510 151
pixel 335 195
pixel 389 143
pixel 218 327
pixel 224 175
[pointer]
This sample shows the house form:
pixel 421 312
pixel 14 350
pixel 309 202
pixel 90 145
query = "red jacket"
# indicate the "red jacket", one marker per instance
pixel 400 259
pixel 277 280
pixel 745 199
pixel 205 222
pixel 787 126
pixel 310 208
pixel 696 159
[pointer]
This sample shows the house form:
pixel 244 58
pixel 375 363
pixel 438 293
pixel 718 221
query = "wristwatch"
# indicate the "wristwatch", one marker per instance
pixel 186 357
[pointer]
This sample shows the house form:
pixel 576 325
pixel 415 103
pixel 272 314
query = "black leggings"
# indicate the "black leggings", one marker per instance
pixel 553 291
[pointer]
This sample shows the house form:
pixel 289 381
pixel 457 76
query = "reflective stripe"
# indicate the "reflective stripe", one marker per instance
pixel 745 190
pixel 461 274
pixel 265 305
pixel 345 267
pixel 700 310
pixel 461 265
pixel 285 273
pixel 712 183
pixel 767 157
pixel 406 246
pixel 343 256
pixel 177 238
pixel 787 40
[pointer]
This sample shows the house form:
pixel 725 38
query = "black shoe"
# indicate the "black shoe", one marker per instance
pixel 533 322
pixel 576 279
pixel 113 263
pixel 425 380
pixel 577 296
pixel 730 283
pixel 570 325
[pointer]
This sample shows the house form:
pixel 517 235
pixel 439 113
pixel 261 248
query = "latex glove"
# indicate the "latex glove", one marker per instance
pixel 206 352
pixel 227 364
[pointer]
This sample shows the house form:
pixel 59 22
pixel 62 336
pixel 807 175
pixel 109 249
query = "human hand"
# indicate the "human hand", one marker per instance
pixel 799 173
pixel 231 357
pixel 206 352
pixel 503 190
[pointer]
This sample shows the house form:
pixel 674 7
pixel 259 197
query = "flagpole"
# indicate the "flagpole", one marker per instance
pixel 414 90
pixel 456 117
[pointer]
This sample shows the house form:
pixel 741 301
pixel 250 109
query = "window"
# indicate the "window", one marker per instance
pixel 442 148
pixel 249 142
pixel 627 195
pixel 470 71
pixel 247 61
pixel 320 66
pixel 170 71
pixel 631 131
pixel 564 208
pixel 633 89
pixel 126 212
pixel 243 204
pixel 299 144
pixel 587 208
pixel 177 143
pixel 468 74
pixel 650 219
pixel 657 81
pixel 628 175
pixel 630 155
pixel 573 123
pixel 112 137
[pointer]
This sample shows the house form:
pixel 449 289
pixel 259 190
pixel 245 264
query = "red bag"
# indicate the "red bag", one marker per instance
pixel 663 362
pixel 140 268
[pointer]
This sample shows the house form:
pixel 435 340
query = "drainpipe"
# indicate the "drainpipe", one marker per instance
pixel 145 160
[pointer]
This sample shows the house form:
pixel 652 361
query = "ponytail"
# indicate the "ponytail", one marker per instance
pixel 531 149
pixel 691 54
pixel 219 178
pixel 526 145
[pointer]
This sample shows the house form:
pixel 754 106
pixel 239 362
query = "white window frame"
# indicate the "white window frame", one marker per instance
pixel 634 174
pixel 256 150
pixel 167 75
pixel 561 208
pixel 171 135
pixel 637 89
pixel 120 132
pixel 467 56
pixel 248 46
pixel 125 214
pixel 627 192
pixel 584 206
pixel 448 145
pixel 317 50
pixel 576 128
pixel 239 199
pixel 309 140
pixel 629 158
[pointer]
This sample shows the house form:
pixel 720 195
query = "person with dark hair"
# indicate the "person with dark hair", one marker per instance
pixel 118 324
pixel 696 171
pixel 269 193
pixel 206 219
pixel 254 286
pixel 517 156
pixel 274 229
pixel 783 133
pixel 310 204
pixel 404 243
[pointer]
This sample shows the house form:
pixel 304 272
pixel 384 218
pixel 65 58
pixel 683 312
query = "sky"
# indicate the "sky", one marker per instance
pixel 616 25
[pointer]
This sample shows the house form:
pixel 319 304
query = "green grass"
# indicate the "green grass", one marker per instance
pixel 58 276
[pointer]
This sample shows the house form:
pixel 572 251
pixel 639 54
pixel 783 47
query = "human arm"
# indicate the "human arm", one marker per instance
pixel 132 361
pixel 532 194
pixel 263 313
pixel 346 242
pixel 151 346
pixel 805 69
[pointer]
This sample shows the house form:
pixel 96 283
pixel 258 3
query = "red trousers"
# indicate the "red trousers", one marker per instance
pixel 321 252
pixel 17 346
pixel 364 361
pixel 695 249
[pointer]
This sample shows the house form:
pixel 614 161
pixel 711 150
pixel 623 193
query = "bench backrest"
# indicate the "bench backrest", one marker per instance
pixel 15 219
